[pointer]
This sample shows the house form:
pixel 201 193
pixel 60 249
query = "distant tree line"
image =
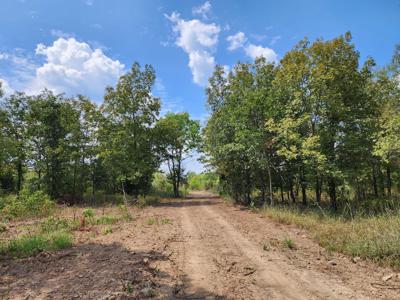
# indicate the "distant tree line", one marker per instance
pixel 68 147
pixel 315 126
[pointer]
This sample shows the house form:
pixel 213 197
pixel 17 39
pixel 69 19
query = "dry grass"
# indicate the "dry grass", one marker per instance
pixel 375 237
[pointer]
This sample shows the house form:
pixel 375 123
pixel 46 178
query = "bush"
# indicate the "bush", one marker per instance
pixel 88 213
pixel 28 204
pixel 53 224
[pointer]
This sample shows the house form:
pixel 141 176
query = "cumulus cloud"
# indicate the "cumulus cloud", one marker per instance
pixel 202 10
pixel 253 51
pixel 198 40
pixel 74 67
pixel 236 41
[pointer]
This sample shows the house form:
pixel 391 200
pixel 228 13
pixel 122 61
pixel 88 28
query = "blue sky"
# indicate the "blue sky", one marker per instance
pixel 82 45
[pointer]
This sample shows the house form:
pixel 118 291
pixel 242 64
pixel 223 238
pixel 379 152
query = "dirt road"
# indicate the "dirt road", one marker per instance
pixel 196 248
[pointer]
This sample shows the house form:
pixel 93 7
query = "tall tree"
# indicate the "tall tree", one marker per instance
pixel 130 112
pixel 177 136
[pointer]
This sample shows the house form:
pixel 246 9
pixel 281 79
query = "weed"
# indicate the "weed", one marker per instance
pixel 152 221
pixel 126 215
pixel 107 230
pixel 106 220
pixel 288 243
pixel 165 221
pixel 266 247
pixel 88 213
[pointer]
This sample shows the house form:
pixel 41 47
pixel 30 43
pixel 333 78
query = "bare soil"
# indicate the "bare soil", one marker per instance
pixel 196 248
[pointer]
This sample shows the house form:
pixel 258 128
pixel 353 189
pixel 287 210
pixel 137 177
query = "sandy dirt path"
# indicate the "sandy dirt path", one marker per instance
pixel 196 248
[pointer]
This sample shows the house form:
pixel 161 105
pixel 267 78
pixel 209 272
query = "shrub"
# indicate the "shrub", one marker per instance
pixel 28 204
pixel 88 213
pixel 52 224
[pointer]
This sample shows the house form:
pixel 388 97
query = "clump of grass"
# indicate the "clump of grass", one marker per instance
pixel 152 221
pixel 106 220
pixel 107 230
pixel 288 243
pixel 88 213
pixel 372 237
pixel 126 215
pixel 25 246
pixel 165 221
pixel 266 247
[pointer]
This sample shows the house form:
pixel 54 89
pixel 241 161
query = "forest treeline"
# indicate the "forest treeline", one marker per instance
pixel 71 147
pixel 317 126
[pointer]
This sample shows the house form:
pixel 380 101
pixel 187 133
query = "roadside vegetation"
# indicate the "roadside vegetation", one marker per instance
pixel 315 141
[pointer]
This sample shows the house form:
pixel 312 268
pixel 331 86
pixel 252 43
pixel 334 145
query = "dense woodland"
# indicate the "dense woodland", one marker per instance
pixel 317 127
pixel 71 147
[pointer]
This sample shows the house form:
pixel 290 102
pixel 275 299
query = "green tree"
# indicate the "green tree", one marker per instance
pixel 177 137
pixel 127 148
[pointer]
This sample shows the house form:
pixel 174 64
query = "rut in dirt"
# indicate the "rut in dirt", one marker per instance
pixel 220 260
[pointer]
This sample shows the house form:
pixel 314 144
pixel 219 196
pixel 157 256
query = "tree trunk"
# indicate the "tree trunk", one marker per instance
pixel 303 187
pixel 374 182
pixel 318 189
pixel 271 196
pixel 19 174
pixel 389 181
pixel 332 192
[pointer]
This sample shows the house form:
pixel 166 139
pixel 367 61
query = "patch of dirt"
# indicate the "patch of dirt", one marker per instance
pixel 196 248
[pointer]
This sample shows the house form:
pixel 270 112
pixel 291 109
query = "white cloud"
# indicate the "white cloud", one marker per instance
pixel 74 67
pixel 201 64
pixel 61 34
pixel 236 41
pixel 198 40
pixel 202 10
pixel 254 51
pixel 5 87
pixel 274 40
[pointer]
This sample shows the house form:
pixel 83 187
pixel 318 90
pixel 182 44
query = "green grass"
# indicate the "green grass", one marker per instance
pixel 25 246
pixel 88 213
pixel 372 237
pixel 152 221
pixel 288 243
pixel 106 220
pixel 107 230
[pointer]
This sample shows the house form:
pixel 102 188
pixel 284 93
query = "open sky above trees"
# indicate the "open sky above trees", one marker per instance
pixel 82 46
